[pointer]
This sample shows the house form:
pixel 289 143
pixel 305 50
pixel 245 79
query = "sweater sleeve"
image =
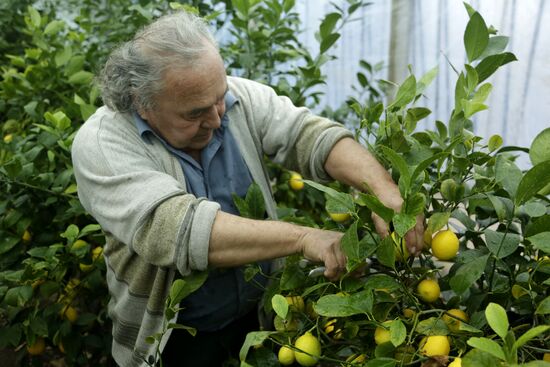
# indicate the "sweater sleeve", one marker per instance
pixel 289 135
pixel 126 187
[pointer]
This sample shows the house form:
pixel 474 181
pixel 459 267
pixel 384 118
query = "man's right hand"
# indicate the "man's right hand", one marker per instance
pixel 323 246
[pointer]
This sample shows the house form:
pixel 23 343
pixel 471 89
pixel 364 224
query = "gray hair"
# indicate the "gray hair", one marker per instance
pixel 133 73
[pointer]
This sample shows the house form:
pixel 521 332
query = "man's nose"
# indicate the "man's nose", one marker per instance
pixel 213 119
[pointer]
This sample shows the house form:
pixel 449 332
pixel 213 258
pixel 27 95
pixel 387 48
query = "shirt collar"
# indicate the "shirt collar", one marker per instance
pixel 143 127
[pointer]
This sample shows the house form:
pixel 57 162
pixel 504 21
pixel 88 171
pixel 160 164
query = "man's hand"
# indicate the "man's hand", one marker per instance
pixel 414 238
pixel 324 247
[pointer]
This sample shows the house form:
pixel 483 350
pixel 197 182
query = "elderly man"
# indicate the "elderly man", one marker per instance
pixel 157 167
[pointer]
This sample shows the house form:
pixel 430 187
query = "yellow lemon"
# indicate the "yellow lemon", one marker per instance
pixel 339 217
pixel 61 347
pixel 401 251
pixel 546 357
pixel 329 326
pixel 381 334
pixel 286 356
pixel 454 323
pixel 428 290
pixel 356 358
pixel 428 238
pixel 85 268
pixel 436 345
pixel 8 138
pixel 456 363
pixel 97 252
pixel 296 303
pixel 445 245
pixel 296 182
pixel 26 237
pixel 78 244
pixel 310 350
pixel 37 348
pixel 70 313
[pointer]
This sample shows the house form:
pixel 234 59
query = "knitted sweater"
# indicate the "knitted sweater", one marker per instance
pixel 153 227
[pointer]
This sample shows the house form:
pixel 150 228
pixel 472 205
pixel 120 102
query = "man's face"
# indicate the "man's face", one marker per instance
pixel 191 104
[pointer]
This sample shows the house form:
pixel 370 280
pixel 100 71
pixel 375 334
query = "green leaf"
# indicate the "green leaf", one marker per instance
pixel 426 163
pixel 415 204
pixel 398 163
pixel 7 242
pixel 468 273
pixel 495 142
pixel 345 201
pixel 253 338
pixel 350 246
pixel 255 200
pixel 482 93
pixel 490 64
pixel 328 41
pixel 540 147
pixel 533 180
pixel 544 307
pixel 328 24
pixel 191 283
pixel 438 221
pixel 90 228
pixel 333 305
pixel 381 362
pixel 432 326
pixel 398 332
pixel 34 16
pixel 501 244
pixel 405 93
pixel 470 108
pixel 418 113
pixel 191 330
pixel 488 346
pixel 18 296
pixel 534 209
pixel 385 252
pixel 500 207
pixel 508 175
pixel 280 305
pixel 476 37
pixel 426 80
pixel 403 223
pixel 540 241
pixel 176 290
pixel 497 319
pixel 496 45
pixel 81 77
pixel 54 27
pixel 242 206
pixel 530 334
pixel 372 202
pixel 293 277
pixel 71 233
pixel 479 358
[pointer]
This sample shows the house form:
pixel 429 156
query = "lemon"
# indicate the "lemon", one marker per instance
pixel 339 217
pixel 381 334
pixel 97 252
pixel 436 345
pixel 428 290
pixel 85 268
pixel 78 244
pixel 8 138
pixel 296 182
pixel 26 237
pixel 445 245
pixel 409 313
pixel 311 350
pixel 70 313
pixel 356 358
pixel 329 326
pixel 401 251
pixel 546 357
pixel 456 363
pixel 286 356
pixel 518 291
pixel 428 238
pixel 452 323
pixel 296 303
pixel 37 348
pixel 61 348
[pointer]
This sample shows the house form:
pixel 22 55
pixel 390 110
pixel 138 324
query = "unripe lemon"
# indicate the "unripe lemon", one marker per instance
pixel 456 363
pixel 409 313
pixel 401 250
pixel 356 359
pixel 381 334
pixel 445 245
pixel 296 303
pixel 310 345
pixel 26 237
pixel 436 345
pixel 339 217
pixel 78 244
pixel 296 182
pixel 428 290
pixel 518 291
pixel 85 268
pixel 37 348
pixel 97 252
pixel 70 313
pixel 286 356
pixel 452 323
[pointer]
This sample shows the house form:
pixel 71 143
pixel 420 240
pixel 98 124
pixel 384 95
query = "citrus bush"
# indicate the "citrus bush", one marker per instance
pixel 478 294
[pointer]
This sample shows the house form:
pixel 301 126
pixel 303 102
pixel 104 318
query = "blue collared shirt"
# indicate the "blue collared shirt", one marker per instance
pixel 226 295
